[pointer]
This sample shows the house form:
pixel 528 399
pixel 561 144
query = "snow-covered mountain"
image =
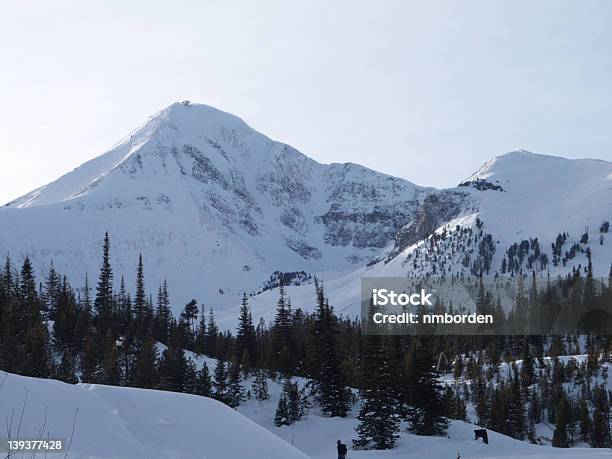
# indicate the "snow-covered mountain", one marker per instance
pixel 503 219
pixel 212 205
pixel 217 207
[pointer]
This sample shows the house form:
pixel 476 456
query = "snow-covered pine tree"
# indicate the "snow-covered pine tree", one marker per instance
pixel 259 387
pixel 292 404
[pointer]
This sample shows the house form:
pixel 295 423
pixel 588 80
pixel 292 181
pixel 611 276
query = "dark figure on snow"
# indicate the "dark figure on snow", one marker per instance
pixel 341 450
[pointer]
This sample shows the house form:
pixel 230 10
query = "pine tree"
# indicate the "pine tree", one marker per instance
pixel 601 418
pixel 162 314
pixel 426 413
pixel 140 298
pixel 560 438
pixel 211 336
pixel 292 404
pixel 37 355
pixel 333 394
pixel 516 408
pixel 66 369
pixel 585 423
pixel 259 387
pixel 89 361
pixel 280 335
pixel 281 415
pixel 204 383
pixel 173 366
pixel 191 378
pixel 145 373
pixel 189 316
pixel 245 349
pixel 378 418
pixel 111 373
pixel 51 292
pixel 220 382
pixel 235 392
pixel 104 291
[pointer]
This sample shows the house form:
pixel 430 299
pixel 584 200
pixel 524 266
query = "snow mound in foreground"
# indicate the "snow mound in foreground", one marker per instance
pixel 114 422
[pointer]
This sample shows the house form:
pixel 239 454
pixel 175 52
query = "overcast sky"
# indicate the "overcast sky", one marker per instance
pixel 423 90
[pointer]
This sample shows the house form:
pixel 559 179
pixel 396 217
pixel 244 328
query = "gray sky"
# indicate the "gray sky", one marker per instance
pixel 423 90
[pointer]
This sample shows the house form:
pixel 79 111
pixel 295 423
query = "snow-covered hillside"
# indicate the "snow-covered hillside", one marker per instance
pixel 113 422
pixel 216 207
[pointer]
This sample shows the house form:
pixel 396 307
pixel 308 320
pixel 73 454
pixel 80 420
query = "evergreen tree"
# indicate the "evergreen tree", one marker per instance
pixel 104 291
pixel 378 418
pixel 145 373
pixel 211 335
pixel 426 413
pixel 162 314
pixel 220 382
pixel 191 378
pixel 333 395
pixel 111 373
pixel 292 404
pixel 516 408
pixel 560 437
pixel 51 292
pixel 601 418
pixel 235 392
pixel 173 367
pixel 37 355
pixel 204 383
pixel 66 369
pixel 585 423
pixel 280 334
pixel 281 415
pixel 259 387
pixel 140 299
pixel 246 345
pixel 89 362
pixel 189 316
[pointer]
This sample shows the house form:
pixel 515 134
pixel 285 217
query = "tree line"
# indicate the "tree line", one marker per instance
pixel 130 337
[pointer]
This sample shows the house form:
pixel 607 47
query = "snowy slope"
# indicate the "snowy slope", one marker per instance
pixel 117 422
pixel 211 204
pixel 316 435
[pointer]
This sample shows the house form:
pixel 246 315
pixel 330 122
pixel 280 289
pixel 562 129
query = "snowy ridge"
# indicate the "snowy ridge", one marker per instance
pixel 113 422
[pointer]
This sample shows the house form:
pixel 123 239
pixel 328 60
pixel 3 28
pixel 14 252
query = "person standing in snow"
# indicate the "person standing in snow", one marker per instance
pixel 341 450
